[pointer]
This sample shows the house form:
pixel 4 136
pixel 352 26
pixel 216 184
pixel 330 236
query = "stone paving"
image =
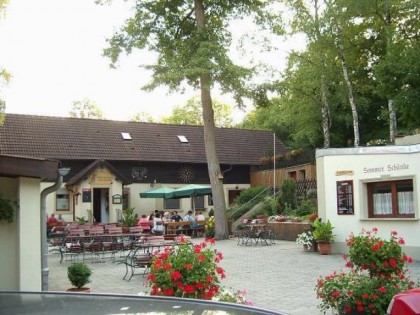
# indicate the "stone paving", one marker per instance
pixel 279 277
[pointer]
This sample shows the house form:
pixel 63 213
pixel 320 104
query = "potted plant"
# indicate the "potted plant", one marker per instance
pixel 323 235
pixel 307 240
pixel 79 275
pixel 209 227
pixel 377 273
pixel 129 219
pixel 81 220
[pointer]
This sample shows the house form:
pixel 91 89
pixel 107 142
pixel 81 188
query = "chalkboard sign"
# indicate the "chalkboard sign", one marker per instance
pixel 86 195
pixel 345 197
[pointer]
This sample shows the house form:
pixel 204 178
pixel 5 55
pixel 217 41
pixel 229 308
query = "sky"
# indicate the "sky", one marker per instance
pixel 53 50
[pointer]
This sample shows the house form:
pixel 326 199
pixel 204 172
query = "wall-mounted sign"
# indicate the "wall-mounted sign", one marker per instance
pixel 116 199
pixel 344 172
pixel 345 197
pixel 86 195
pixel 101 176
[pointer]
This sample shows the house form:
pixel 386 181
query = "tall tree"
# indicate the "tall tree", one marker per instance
pixel 307 19
pixel 192 39
pixel 143 117
pixel 191 114
pixel 86 109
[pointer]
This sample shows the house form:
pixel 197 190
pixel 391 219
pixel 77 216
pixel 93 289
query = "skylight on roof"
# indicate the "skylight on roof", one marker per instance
pixel 125 135
pixel 183 139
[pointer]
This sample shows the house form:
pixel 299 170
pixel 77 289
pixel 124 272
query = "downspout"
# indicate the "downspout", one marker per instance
pixel 44 248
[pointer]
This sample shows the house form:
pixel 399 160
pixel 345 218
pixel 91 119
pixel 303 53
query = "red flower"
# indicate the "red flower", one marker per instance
pixel 374 229
pixel 385 264
pixel 151 277
pixel 401 241
pixel 176 275
pixel 209 278
pixel 210 240
pixel 199 285
pixel 155 290
pixel 197 249
pixel 164 255
pixel 347 309
pixel 377 246
pixel 335 293
pixel 393 262
pixel 365 295
pixel 201 257
pixel 188 266
pixel 382 289
pixel 189 289
pixel 168 292
pixel 360 308
pixel 167 266
pixel 394 233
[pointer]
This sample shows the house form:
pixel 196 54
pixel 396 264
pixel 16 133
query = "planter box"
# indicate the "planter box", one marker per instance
pixel 288 230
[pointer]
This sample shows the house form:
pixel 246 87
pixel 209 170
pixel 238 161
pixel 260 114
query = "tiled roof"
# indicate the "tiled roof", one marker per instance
pixel 65 138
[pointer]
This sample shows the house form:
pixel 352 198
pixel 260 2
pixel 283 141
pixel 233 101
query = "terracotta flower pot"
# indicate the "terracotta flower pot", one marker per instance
pixel 324 248
pixel 79 290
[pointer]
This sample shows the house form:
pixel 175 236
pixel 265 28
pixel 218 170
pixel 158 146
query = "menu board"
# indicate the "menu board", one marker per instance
pixel 86 195
pixel 345 197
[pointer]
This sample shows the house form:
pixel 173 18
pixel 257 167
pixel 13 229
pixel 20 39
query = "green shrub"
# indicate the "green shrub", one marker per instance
pixel 79 274
pixel 243 204
pixel 129 218
pixel 6 210
pixel 306 207
pixel 248 194
pixel 288 194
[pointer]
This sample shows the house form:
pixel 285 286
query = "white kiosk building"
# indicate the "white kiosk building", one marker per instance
pixel 366 187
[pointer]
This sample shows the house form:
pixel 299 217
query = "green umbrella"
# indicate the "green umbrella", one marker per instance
pixel 162 192
pixel 192 190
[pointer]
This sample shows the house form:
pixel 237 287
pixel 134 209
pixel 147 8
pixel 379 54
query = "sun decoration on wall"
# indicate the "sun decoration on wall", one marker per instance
pixel 186 173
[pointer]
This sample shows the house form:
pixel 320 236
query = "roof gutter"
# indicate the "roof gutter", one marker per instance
pixel 44 247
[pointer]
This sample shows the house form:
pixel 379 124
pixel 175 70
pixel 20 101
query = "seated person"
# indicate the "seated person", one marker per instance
pixel 176 217
pixel 190 218
pixel 165 217
pixel 143 222
pixel 158 227
pixel 52 219
pixel 151 218
pixel 200 217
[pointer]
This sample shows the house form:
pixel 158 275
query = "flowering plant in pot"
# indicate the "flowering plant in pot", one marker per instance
pixel 306 239
pixel 190 271
pixel 186 271
pixel 377 274
pixel 209 227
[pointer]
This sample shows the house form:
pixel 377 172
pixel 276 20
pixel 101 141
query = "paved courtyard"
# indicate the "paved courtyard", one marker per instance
pixel 279 277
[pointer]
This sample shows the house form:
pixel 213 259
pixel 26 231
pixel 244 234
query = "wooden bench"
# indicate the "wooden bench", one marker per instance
pixel 181 227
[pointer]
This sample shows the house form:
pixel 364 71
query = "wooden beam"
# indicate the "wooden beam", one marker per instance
pixel 18 166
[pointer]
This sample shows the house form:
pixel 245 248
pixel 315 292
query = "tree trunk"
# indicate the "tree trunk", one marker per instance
pixel 325 109
pixel 325 113
pixel 216 177
pixel 392 121
pixel 350 95
pixel 391 108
